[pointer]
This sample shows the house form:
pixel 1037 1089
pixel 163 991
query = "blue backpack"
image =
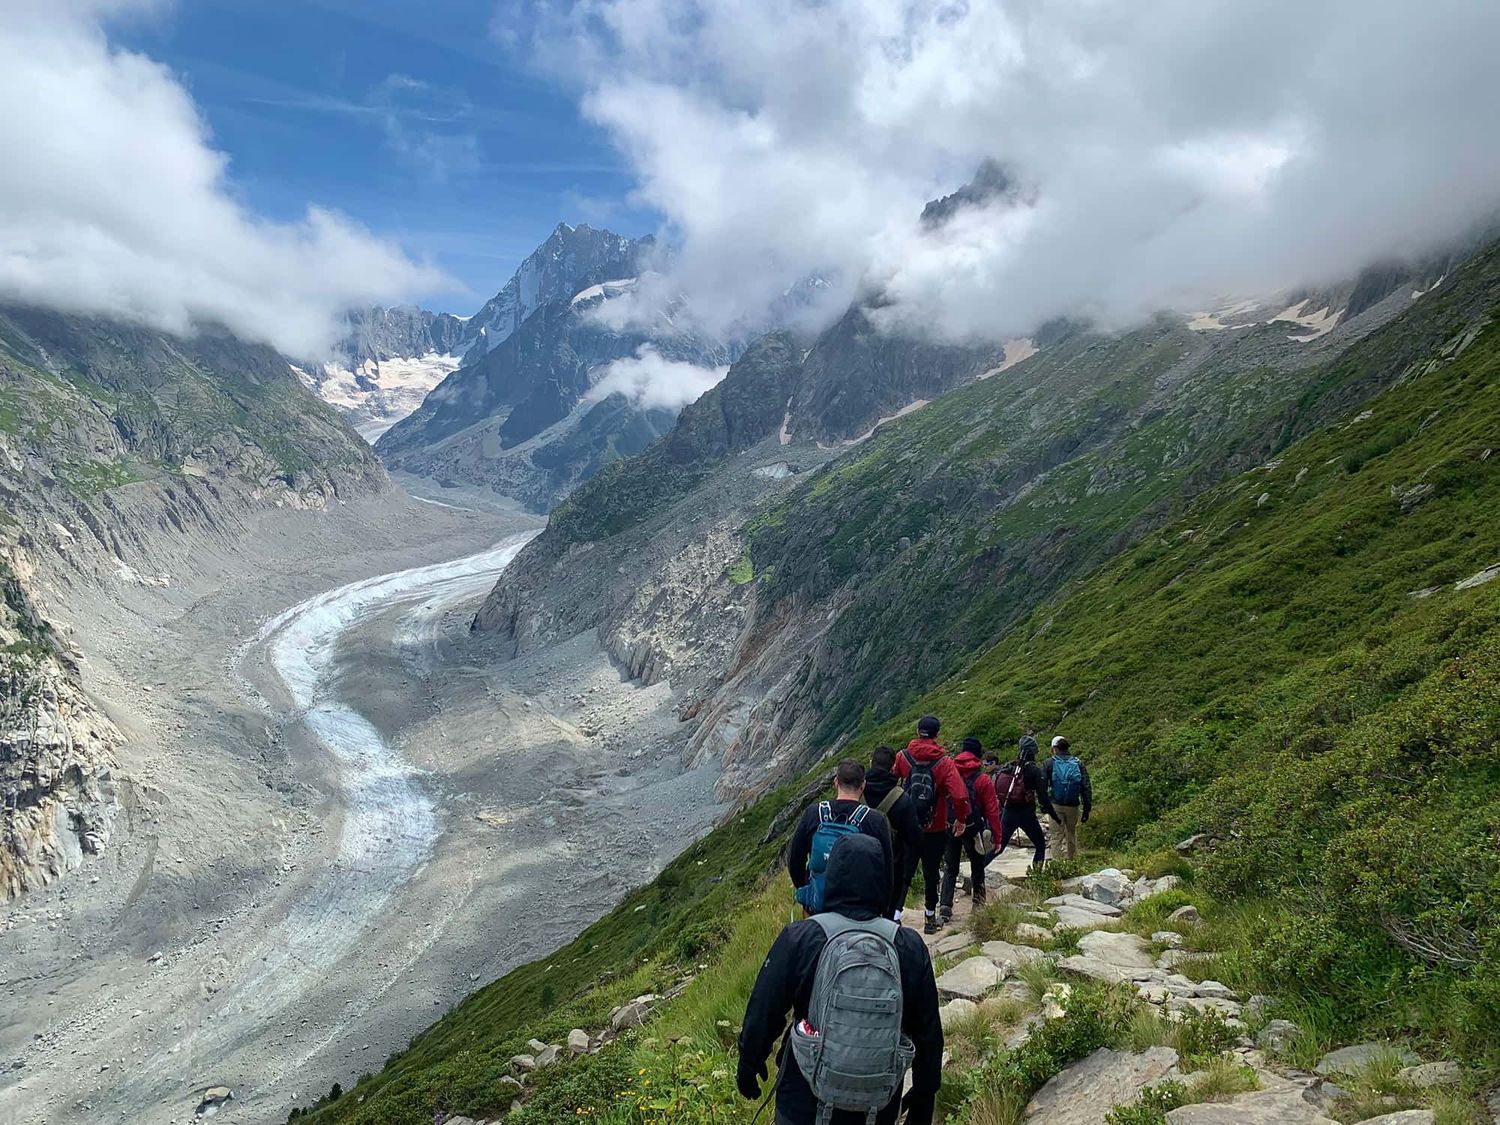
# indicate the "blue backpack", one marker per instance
pixel 1067 780
pixel 829 832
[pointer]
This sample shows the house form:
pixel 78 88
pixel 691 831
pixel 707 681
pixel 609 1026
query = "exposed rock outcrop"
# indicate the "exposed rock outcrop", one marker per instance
pixel 57 755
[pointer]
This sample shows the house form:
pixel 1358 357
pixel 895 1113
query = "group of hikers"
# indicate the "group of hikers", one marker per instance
pixel 858 984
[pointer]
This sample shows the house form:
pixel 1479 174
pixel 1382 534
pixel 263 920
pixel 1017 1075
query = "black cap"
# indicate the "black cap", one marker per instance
pixel 973 745
pixel 928 725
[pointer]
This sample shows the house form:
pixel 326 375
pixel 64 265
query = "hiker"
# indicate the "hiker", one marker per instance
pixel 1019 786
pixel 852 952
pixel 990 763
pixel 1067 783
pixel 981 831
pixel 885 794
pixel 941 803
pixel 821 826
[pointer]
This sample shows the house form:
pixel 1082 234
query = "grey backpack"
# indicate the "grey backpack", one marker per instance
pixel 857 1056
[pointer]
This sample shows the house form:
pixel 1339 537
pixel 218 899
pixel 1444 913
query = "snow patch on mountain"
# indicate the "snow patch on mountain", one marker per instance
pixel 377 395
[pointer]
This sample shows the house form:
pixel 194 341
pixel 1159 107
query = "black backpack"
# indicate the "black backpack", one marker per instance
pixel 921 787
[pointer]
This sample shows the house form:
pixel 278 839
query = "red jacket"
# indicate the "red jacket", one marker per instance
pixel 969 766
pixel 950 786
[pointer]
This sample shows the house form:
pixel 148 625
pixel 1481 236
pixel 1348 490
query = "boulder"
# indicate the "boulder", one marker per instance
pixel 1266 1107
pixel 578 1041
pixel 1172 958
pixel 535 1046
pixel 1351 1060
pixel 1230 1009
pixel 523 1062
pixel 1027 932
pixel 1084 1093
pixel 949 944
pixel 213 1099
pixel 1125 951
pixel 969 979
pixel 1108 886
pixel 956 1009
pixel 548 1055
pixel 1405 1117
pixel 1004 952
pixel 1185 916
pixel 1214 989
pixel 1078 902
pixel 1432 1074
pixel 1093 967
pixel 1169 938
pixel 632 1014
pixel 1257 1007
pixel 1193 843
pixel 1278 1036
pixel 1072 918
pixel 1146 888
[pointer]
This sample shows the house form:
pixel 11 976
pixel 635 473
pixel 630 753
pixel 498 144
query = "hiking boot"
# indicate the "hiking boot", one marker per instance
pixel 979 896
pixel 931 926
pixel 946 915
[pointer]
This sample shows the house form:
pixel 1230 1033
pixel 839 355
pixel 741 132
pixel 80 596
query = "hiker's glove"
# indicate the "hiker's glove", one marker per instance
pixel 747 1081
pixel 1083 819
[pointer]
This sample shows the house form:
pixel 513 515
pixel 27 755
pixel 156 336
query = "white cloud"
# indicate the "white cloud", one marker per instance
pixel 113 200
pixel 1171 151
pixel 654 381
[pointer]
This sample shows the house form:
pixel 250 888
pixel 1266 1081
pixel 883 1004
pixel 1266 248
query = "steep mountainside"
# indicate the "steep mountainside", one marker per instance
pixel 570 261
pixel 113 439
pixel 1301 666
pixel 519 416
pixel 875 576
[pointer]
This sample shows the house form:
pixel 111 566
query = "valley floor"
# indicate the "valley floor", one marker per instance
pixel 337 818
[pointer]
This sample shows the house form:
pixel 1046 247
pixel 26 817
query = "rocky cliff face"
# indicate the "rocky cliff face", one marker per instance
pixel 783 612
pixel 115 441
pixel 57 754
pixel 570 261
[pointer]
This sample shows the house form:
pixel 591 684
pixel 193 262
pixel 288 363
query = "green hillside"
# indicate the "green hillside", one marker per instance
pixel 1305 665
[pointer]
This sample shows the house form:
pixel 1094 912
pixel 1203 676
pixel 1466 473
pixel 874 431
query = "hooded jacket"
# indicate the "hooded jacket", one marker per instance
pixel 951 794
pixel 906 832
pixel 857 886
pixel 970 767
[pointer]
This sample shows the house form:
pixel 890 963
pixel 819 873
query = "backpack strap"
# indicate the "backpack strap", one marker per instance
pixel 891 798
pixel 825 811
pixel 835 924
pixel 857 817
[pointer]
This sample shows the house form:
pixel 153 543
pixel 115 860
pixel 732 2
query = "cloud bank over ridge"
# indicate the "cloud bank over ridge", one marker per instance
pixel 1170 154
pixel 113 200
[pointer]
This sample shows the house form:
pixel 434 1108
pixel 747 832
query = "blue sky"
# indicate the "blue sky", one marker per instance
pixel 411 118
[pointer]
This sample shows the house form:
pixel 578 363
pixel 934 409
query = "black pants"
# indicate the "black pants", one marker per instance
pixel 934 846
pixel 968 846
pixel 1023 817
pixel 906 868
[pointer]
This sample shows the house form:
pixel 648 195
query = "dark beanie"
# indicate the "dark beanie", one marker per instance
pixel 973 745
pixel 928 725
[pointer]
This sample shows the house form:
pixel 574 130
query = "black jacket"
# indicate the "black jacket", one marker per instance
pixel 906 829
pixel 1086 793
pixel 856 888
pixel 800 849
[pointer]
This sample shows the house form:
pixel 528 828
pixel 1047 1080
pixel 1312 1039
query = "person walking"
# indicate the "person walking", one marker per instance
pixel 1019 786
pixel 941 803
pixel 981 831
pixel 843 1062
pixel 885 794
pixel 1066 781
pixel 821 826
